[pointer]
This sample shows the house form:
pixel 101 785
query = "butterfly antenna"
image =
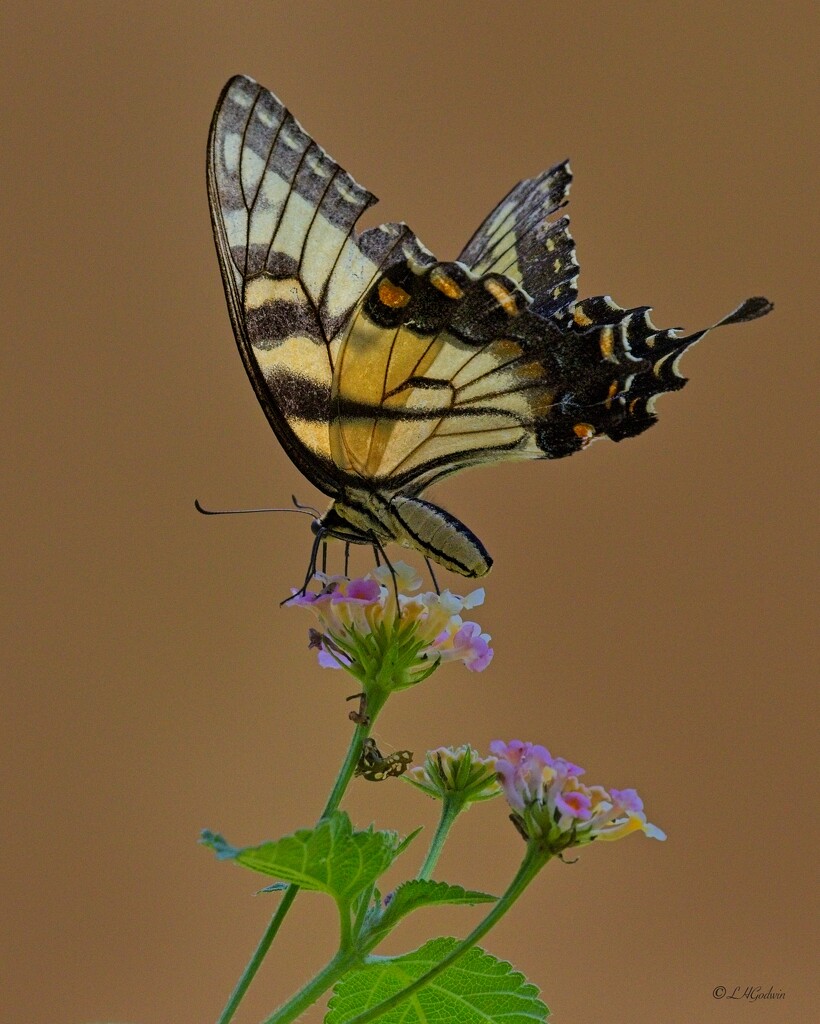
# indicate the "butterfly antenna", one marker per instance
pixel 324 556
pixel 305 508
pixel 244 511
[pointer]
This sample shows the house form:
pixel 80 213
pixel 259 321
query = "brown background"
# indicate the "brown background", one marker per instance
pixel 650 603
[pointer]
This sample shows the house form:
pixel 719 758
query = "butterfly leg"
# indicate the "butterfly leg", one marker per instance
pixel 376 556
pixel 347 557
pixel 379 547
pixel 311 570
pixel 432 574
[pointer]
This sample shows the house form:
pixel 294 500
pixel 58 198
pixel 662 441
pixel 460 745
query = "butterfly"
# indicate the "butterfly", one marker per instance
pixel 375 767
pixel 383 370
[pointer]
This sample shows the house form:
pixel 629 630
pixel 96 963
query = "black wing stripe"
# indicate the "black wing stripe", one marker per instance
pixel 420 477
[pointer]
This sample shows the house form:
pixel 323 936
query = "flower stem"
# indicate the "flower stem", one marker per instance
pixel 533 861
pixel 451 806
pixel 342 781
pixel 354 751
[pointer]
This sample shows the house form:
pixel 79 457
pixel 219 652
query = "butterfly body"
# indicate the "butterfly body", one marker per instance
pixel 364 517
pixel 383 370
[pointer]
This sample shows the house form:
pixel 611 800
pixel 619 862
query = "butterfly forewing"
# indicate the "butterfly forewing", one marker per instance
pixel 293 267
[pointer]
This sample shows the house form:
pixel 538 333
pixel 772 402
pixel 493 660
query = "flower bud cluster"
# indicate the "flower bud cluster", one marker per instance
pixel 460 771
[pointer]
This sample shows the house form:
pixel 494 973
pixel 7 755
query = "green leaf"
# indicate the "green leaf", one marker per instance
pixel 331 858
pixel 477 989
pixel 408 840
pixel 424 893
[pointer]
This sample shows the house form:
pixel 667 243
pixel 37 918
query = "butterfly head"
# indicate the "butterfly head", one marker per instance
pixel 332 524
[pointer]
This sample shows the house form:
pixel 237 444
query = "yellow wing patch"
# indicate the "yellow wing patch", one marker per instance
pixel 405 402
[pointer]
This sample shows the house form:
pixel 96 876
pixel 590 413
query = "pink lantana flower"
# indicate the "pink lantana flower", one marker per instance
pixel 365 631
pixel 464 642
pixel 550 805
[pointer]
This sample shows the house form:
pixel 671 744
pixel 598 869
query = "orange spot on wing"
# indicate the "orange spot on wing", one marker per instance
pixel 607 342
pixel 580 317
pixel 585 431
pixel 445 284
pixel 541 402
pixel 392 295
pixel 530 371
pixel 504 298
pixel 506 348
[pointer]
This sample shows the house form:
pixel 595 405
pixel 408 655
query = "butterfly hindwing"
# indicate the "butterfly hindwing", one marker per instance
pixel 442 369
pixel 435 374
pixel 520 240
pixel 619 363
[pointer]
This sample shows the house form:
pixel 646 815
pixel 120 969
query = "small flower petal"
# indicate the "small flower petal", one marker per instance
pixel 328 660
pixel 358 591
pixel 474 599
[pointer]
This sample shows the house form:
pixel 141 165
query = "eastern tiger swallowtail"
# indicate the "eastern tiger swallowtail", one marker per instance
pixel 382 369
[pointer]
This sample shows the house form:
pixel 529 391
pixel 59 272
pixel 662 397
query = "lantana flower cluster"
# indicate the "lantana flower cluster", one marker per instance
pixel 552 806
pixel 364 630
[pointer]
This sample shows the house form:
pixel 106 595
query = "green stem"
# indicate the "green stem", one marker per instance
pixel 365 899
pixel 533 861
pixel 451 806
pixel 354 751
pixel 305 997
